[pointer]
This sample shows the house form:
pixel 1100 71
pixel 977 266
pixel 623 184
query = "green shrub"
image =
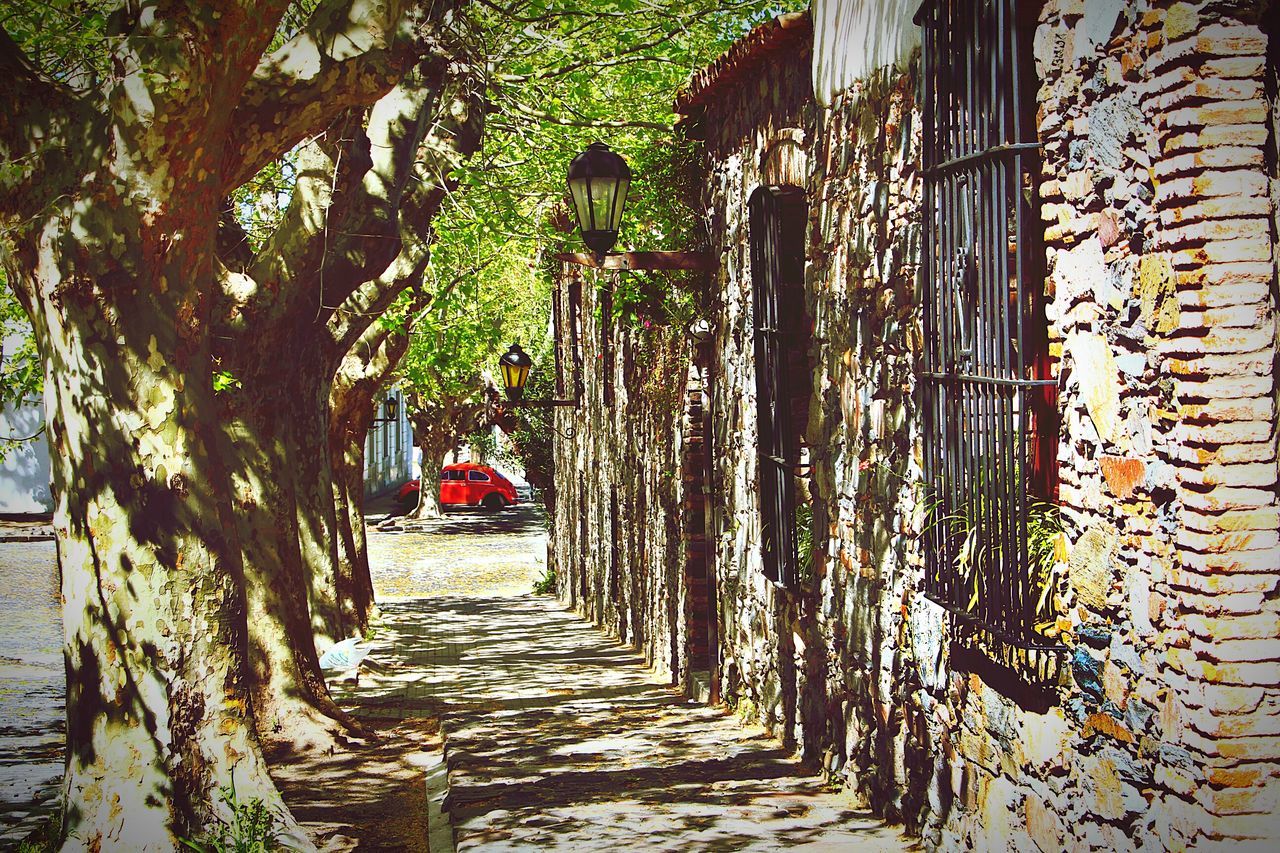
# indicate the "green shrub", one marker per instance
pixel 546 585
pixel 251 829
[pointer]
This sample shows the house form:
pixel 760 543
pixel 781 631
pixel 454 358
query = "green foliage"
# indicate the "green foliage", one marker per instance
pixel 546 585
pixel 566 74
pixel 44 839
pixel 966 524
pixel 21 368
pixel 250 829
pixel 532 439
pixel 224 380
pixel 22 372
pixel 804 538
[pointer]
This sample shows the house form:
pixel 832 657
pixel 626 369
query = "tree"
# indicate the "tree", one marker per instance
pixel 445 373
pixel 114 174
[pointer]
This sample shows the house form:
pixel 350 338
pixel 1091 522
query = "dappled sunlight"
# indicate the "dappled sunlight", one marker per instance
pixel 558 737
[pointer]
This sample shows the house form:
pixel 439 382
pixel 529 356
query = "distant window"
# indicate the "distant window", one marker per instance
pixel 478 476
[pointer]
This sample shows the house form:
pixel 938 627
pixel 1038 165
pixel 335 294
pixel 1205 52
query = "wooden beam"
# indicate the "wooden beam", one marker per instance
pixel 643 260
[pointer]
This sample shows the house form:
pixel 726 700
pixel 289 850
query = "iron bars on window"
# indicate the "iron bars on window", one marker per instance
pixel 985 385
pixel 777 220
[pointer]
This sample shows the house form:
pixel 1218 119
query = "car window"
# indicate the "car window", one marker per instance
pixel 478 476
pixel 444 475
pixel 452 475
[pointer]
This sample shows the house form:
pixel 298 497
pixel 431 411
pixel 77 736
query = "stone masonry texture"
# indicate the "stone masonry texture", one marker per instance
pixel 1158 198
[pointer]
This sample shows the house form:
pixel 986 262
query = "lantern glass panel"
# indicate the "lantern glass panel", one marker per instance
pixel 619 201
pixel 514 376
pixel 581 204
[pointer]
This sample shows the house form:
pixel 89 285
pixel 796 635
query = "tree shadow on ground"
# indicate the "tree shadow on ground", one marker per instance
pixel 372 793
pixel 559 738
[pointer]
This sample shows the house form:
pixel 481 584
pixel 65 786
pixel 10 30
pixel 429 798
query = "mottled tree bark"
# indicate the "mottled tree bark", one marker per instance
pixel 109 209
pixel 440 424
pixel 350 243
pixel 358 380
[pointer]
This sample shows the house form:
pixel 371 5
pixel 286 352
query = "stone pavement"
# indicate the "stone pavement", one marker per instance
pixel 558 738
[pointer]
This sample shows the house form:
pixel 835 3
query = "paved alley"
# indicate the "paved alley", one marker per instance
pixel 557 738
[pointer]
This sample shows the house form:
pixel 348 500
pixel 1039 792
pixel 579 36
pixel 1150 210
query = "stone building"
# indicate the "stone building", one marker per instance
pixel 965 485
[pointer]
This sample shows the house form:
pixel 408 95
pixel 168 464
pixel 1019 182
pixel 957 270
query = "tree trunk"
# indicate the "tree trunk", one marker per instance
pixel 347 452
pixel 158 706
pixel 429 499
pixel 329 582
pixel 290 695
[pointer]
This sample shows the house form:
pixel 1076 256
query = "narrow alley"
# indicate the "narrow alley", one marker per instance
pixel 558 737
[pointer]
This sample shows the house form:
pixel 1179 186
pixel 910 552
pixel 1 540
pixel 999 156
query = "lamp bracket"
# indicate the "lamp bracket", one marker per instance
pixel 642 260
pixel 541 404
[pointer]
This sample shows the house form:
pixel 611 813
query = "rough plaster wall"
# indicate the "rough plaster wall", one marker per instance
pixel 1161 250
pixel 754 137
pixel 1164 302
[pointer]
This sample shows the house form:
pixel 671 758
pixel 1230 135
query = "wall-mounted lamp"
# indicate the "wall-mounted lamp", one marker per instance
pixel 516 365
pixel 391 409
pixel 598 183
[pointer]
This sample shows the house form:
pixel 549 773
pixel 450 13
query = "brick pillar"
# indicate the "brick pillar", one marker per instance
pixel 1214 199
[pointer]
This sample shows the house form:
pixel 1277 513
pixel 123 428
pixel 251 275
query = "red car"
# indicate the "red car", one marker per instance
pixel 465 484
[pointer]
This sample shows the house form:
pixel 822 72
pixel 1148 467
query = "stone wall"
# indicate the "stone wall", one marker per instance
pixel 616 538
pixel 1158 199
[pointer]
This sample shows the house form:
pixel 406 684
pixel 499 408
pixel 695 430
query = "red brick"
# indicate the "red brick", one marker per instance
pixel 1257 362
pixel 1255 626
pixel 1174 192
pixel 1230 409
pixel 1251 111
pixel 1218 543
pixel 1211 89
pixel 1223 387
pixel 1236 316
pixel 1261 563
pixel 1244 250
pixel 1218 157
pixel 1266 518
pixel 1205 230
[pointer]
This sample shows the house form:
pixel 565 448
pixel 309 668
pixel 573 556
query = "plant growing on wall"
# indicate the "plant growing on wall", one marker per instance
pixel 967 525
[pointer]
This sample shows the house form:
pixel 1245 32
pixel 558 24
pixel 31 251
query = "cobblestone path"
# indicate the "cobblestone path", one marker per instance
pixel 557 738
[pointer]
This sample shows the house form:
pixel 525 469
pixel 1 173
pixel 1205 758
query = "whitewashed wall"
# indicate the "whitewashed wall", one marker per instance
pixel 852 38
pixel 388 452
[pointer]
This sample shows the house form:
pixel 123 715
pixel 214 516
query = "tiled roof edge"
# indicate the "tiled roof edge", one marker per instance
pixel 746 53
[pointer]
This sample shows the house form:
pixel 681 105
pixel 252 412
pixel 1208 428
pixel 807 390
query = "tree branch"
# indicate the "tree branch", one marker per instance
pixel 36 112
pixel 350 52
pixel 540 115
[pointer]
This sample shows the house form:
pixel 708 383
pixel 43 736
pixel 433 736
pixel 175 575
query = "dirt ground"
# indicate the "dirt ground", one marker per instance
pixel 370 798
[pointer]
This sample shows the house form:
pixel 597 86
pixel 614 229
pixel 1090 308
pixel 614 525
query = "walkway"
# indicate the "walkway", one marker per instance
pixel 557 738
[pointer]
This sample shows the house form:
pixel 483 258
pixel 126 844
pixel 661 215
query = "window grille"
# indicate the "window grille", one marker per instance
pixel 986 388
pixel 777 222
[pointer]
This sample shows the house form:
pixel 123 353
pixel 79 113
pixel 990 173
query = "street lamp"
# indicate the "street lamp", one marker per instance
pixel 515 365
pixel 391 407
pixel 598 182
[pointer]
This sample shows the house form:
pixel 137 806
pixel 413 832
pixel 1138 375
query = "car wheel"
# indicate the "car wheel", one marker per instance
pixel 409 502
pixel 493 501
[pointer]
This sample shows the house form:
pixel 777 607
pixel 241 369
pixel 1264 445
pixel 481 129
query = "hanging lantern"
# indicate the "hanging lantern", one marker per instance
pixel 515 366
pixel 598 182
pixel 392 408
